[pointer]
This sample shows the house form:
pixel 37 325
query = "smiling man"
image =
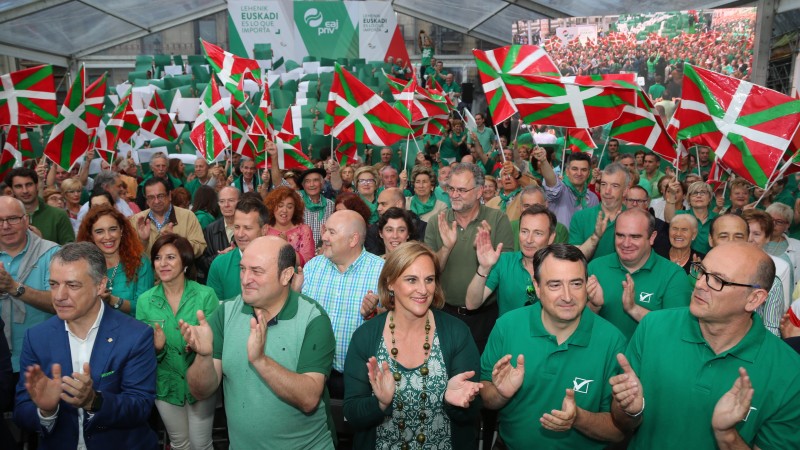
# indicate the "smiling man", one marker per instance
pixel 562 355
pixel 566 197
pixel 53 223
pixel 635 280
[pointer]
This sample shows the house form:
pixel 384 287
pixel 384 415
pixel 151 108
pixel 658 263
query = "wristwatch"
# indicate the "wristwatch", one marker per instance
pixel 20 291
pixel 97 402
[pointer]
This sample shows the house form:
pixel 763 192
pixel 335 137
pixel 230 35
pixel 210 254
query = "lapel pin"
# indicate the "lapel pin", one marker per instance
pixel 110 339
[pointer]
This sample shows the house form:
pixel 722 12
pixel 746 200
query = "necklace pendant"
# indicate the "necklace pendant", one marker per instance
pixel 421 438
pixel 397 376
pixel 423 371
pixel 404 446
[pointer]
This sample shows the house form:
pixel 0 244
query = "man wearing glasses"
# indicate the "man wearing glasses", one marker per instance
pixel 24 275
pixel 711 374
pixel 636 280
pixel 637 197
pixel 163 217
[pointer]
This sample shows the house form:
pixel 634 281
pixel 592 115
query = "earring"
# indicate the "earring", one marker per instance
pixel 185 269
pixel 391 294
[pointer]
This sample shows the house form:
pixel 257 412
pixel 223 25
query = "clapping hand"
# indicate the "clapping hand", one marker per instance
pixel 382 382
pixel 561 420
pixel 448 232
pixel 506 378
pixel 199 338
pixel 461 391
pixel 627 388
pixel 734 406
pixel 487 255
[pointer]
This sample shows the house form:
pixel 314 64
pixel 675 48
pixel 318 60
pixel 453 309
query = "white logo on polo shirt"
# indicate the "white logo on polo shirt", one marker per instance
pixel 581 385
pixel 752 408
pixel 644 297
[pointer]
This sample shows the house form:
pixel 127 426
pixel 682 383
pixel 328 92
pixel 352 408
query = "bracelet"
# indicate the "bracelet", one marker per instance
pixel 479 274
pixel 637 414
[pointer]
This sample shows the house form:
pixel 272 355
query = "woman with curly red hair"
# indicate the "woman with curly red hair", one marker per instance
pixel 128 268
pixel 286 220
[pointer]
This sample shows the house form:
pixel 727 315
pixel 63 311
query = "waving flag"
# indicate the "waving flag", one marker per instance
pixel 356 114
pixel 240 139
pixel 69 138
pixel 122 124
pixel 748 126
pixel 290 152
pixel 718 175
pixel 263 122
pixel 28 97
pixel 639 124
pixel 231 68
pixel 580 140
pixel 396 85
pixel 512 59
pixel 420 107
pixel 157 121
pixel 95 97
pixel 346 153
pixel 18 143
pixel 573 102
pixel 7 162
pixel 210 131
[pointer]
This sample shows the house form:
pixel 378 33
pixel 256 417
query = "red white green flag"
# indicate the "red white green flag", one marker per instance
pixel 572 102
pixel 28 97
pixel 122 124
pixel 18 143
pixel 718 175
pixel 69 138
pixel 580 140
pixel 240 139
pixel 396 85
pixel 346 153
pixel 7 162
pixel 95 97
pixel 229 67
pixel 106 155
pixel 290 151
pixel 357 114
pixel 640 124
pixel 156 119
pixel 238 95
pixel 210 131
pixel 263 123
pixel 261 152
pixel 749 126
pixel 511 59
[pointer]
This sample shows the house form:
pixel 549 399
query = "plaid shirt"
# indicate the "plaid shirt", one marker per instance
pixel 312 219
pixel 341 293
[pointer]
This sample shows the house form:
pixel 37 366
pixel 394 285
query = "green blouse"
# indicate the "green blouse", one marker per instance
pixel 130 290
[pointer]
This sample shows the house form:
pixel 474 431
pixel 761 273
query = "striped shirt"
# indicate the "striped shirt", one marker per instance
pixel 341 293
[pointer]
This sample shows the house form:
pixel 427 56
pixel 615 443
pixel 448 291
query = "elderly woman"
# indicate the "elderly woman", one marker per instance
pixel 423 203
pixel 286 220
pixel 347 173
pixel 411 373
pixel 780 244
pixel 129 272
pixel 700 197
pixel 72 190
pixel 54 198
pixel 366 179
pixel 682 233
pixel 396 227
pixel 489 188
pixel 177 297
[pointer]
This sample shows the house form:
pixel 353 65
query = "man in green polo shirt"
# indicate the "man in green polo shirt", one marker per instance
pixel 712 375
pixel 559 346
pixel 592 229
pixel 636 280
pixel 52 223
pixel 648 178
pixel 511 273
pixel 249 222
pixel 272 348
pixel 534 195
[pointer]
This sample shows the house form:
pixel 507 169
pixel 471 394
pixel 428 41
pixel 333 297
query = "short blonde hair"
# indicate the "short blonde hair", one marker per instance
pixel 367 169
pixel 398 262
pixel 698 186
pixel 71 184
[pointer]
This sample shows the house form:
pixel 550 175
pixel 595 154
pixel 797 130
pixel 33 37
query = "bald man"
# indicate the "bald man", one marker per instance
pixel 340 279
pixel 711 372
pixel 388 198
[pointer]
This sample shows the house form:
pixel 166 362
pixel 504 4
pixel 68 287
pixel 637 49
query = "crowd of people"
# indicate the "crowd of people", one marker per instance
pixel 485 290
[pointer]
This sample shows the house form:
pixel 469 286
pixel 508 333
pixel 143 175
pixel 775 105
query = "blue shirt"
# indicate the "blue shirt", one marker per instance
pixel 341 293
pixel 39 279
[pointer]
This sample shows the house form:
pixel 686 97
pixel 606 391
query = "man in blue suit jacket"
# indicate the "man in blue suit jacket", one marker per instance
pixel 108 361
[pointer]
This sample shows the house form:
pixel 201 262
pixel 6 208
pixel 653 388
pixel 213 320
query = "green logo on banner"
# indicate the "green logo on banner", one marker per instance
pixel 331 22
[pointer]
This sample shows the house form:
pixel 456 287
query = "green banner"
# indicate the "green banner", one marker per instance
pixel 326 29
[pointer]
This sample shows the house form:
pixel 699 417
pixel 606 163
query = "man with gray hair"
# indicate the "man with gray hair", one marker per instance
pixel 247 181
pixel 159 164
pixel 389 178
pixel 110 182
pixel 107 358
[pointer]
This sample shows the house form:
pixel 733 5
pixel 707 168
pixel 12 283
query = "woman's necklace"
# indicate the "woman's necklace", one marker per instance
pixel 680 259
pixel 111 280
pixel 423 396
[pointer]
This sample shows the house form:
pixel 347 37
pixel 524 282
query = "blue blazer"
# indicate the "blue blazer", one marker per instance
pixel 123 365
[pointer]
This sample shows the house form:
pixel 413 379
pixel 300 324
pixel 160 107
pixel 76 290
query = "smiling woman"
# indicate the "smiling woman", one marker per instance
pixel 129 271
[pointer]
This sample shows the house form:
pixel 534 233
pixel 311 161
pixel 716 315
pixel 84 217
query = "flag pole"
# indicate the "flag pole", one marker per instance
pixel 502 154
pixel 603 152
pixel 769 184
pixel 697 158
pixel 564 152
pixel 408 141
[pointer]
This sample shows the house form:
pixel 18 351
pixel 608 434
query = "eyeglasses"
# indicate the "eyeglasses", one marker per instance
pixel 636 201
pixel 714 281
pixel 366 181
pixel 13 220
pixel 698 194
pixel 780 222
pixel 159 197
pixel 461 191
pixel 72 192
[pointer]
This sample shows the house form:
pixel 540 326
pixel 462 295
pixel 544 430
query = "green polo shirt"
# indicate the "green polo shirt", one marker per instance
pixel 486 138
pixel 462 262
pixel 223 275
pixel 700 243
pixel 511 281
pixel 581 227
pixel 53 223
pixel 683 380
pixel 562 234
pixel 300 339
pixel 659 284
pixel 584 362
pixel 651 184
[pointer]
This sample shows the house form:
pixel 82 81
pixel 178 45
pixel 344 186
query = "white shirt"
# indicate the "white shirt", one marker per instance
pixel 81 352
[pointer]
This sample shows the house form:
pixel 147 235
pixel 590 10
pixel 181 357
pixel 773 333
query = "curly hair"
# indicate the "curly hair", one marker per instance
pixel 130 247
pixel 280 194
pixel 353 202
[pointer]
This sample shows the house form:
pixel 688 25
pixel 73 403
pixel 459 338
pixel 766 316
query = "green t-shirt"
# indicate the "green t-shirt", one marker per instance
pixel 512 282
pixel 651 185
pixel 427 54
pixel 683 380
pixel 582 225
pixel 584 362
pixel 223 275
pixel 659 284
pixel 656 91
